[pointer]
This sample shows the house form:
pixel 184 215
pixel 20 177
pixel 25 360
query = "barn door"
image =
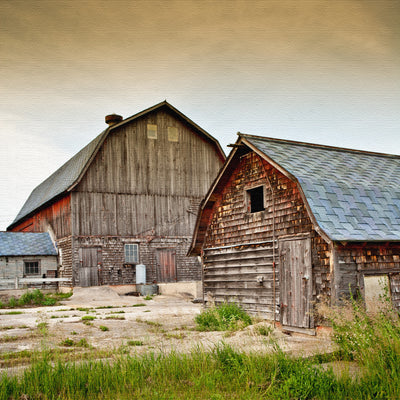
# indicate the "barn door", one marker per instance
pixel 166 267
pixel 89 271
pixel 295 282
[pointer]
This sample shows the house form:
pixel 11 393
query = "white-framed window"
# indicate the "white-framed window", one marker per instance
pixel 131 253
pixel 255 199
pixel 31 268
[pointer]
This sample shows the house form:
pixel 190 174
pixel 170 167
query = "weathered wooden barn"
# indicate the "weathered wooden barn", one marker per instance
pixel 130 196
pixel 26 255
pixel 286 225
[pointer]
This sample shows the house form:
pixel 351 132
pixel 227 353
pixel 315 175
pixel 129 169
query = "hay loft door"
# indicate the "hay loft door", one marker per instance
pixel 90 258
pixel 166 265
pixel 295 282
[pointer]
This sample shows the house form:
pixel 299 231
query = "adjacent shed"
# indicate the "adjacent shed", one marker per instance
pixel 130 196
pixel 26 255
pixel 288 224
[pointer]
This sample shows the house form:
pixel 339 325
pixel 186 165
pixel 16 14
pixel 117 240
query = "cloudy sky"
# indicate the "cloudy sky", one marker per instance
pixel 313 70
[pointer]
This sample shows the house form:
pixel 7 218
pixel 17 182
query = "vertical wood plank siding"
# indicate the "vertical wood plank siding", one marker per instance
pixel 154 185
pixel 57 216
pixel 231 224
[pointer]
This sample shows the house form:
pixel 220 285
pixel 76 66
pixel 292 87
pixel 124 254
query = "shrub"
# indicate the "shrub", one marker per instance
pixel 226 316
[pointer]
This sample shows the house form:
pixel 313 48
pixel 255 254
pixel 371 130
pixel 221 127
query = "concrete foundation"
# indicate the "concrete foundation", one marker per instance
pixel 191 289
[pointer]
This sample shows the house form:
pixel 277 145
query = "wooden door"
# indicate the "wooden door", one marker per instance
pixel 90 258
pixel 295 282
pixel 166 266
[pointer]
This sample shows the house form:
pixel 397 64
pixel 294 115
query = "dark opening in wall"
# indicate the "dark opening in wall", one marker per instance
pixel 255 199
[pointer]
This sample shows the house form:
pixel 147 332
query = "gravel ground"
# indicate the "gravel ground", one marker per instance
pixel 163 324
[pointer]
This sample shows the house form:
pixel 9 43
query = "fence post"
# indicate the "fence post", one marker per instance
pixel 16 282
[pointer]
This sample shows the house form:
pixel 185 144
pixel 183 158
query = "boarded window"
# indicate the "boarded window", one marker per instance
pixel 172 134
pixel 151 131
pixel 374 290
pixel 255 199
pixel 31 268
pixel 131 254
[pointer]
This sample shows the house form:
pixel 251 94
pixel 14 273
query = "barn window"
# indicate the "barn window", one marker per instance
pixel 255 199
pixel 31 268
pixel 172 134
pixel 151 131
pixel 131 254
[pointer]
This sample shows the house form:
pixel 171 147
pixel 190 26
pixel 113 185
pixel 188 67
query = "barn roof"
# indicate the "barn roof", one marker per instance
pixel 69 175
pixel 351 195
pixel 26 244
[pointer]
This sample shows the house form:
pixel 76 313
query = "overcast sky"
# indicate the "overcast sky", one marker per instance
pixel 314 70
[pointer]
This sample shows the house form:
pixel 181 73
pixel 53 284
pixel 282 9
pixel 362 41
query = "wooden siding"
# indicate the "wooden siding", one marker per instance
pixel 231 225
pixel 57 216
pixel 355 260
pixel 141 186
pixel 128 215
pixel 234 274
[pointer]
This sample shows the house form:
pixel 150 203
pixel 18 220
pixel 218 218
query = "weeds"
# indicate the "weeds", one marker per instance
pixel 226 316
pixel 88 318
pixel 35 298
pixel 114 316
pixel 104 328
pixel 134 343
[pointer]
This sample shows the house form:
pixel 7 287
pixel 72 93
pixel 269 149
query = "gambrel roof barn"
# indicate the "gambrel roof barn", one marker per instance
pixel 320 219
pixel 130 196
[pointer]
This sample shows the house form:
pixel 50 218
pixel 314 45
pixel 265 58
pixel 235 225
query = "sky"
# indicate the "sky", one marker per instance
pixel 318 71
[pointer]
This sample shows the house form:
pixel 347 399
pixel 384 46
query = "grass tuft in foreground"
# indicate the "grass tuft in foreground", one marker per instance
pixel 226 316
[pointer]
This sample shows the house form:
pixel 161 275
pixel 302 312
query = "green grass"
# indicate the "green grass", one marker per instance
pixel 88 318
pixel 221 373
pixel 114 316
pixel 104 328
pixel 134 343
pixel 35 298
pixel 224 317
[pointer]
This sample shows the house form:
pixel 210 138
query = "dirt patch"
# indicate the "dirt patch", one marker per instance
pixel 107 321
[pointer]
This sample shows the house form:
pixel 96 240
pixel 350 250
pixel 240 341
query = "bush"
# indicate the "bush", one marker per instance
pixel 226 316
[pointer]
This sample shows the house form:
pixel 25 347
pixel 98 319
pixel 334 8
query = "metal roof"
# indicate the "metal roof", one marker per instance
pixel 71 172
pixel 353 195
pixel 26 244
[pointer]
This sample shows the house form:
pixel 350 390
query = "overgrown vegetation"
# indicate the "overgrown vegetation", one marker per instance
pixel 224 317
pixel 35 298
pixel 371 341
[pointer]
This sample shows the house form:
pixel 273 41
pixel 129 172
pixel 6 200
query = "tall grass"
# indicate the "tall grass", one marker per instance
pixel 372 339
pixel 226 316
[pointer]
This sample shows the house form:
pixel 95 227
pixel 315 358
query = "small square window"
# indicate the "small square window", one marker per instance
pixel 151 131
pixel 172 134
pixel 31 268
pixel 131 254
pixel 255 199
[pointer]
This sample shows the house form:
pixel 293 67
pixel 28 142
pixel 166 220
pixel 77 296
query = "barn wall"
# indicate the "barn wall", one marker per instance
pixel 113 270
pixel 238 244
pixel 65 259
pixel 57 216
pixel 138 185
pixel 356 261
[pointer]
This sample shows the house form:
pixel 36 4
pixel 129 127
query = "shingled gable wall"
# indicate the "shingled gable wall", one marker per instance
pixel 230 224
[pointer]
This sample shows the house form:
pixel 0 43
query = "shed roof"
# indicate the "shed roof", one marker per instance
pixel 26 244
pixel 351 195
pixel 354 195
pixel 68 175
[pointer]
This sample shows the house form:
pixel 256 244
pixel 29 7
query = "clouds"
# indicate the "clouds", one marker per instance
pixel 315 70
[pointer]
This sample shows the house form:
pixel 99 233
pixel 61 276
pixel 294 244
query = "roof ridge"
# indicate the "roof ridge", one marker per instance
pixel 320 146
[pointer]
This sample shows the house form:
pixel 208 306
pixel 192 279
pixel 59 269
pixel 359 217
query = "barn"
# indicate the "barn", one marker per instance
pixel 129 197
pixel 286 225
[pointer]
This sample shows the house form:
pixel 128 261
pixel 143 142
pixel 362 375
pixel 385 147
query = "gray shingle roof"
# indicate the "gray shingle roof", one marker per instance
pixel 354 195
pixel 59 181
pixel 26 244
